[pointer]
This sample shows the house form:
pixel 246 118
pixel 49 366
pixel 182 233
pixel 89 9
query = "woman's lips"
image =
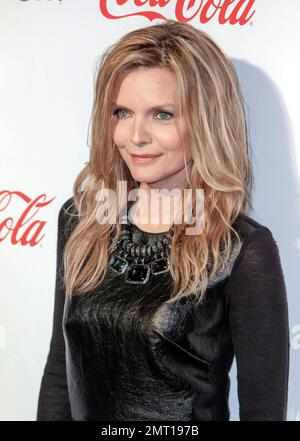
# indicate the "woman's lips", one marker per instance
pixel 144 160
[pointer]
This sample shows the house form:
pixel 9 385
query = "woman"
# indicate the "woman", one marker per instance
pixel 148 318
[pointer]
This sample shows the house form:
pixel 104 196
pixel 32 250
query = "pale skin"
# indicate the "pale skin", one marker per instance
pixel 145 121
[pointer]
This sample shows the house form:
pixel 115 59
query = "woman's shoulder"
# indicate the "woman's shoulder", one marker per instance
pixel 256 242
pixel 67 205
pixel 249 228
pixel 259 245
pixel 67 216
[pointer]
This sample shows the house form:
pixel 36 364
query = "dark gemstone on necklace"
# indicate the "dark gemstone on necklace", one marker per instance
pixel 137 273
pixel 118 264
pixel 159 266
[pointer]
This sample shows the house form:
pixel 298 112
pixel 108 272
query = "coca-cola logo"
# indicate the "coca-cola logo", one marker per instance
pixel 21 229
pixel 225 11
pixel 230 12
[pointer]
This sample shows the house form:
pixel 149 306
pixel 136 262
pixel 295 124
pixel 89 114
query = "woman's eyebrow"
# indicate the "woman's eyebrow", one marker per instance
pixel 151 108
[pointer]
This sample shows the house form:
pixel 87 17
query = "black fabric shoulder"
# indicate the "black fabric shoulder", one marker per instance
pixel 67 218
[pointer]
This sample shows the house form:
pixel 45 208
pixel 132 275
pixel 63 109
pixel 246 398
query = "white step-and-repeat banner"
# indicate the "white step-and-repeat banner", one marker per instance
pixel 48 55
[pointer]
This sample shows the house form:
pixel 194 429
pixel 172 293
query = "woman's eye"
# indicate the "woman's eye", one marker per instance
pixel 164 114
pixel 118 113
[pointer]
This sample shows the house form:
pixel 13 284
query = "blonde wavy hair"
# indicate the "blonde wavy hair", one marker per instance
pixel 213 109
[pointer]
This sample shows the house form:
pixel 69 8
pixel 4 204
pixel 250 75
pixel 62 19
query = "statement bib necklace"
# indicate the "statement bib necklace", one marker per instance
pixel 138 261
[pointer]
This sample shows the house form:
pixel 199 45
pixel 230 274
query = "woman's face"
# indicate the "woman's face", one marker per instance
pixel 144 117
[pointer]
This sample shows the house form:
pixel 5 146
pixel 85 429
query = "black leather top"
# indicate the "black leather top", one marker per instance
pixel 129 352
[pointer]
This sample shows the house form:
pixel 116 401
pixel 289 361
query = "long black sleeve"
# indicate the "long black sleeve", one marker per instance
pixel 53 400
pixel 258 315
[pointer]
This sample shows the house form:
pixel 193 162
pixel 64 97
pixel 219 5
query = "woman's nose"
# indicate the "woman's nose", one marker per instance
pixel 140 132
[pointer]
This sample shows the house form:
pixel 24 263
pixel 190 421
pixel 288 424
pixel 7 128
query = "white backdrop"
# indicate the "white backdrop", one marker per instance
pixel 48 52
